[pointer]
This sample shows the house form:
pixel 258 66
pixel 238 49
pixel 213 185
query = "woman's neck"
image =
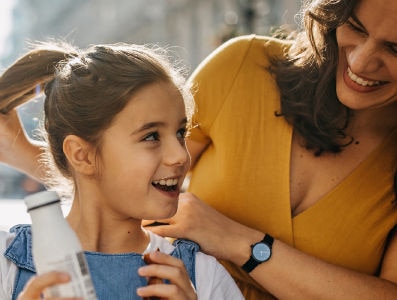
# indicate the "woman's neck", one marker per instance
pixel 375 123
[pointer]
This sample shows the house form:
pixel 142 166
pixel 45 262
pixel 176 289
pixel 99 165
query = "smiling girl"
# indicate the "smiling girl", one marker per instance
pixel 116 117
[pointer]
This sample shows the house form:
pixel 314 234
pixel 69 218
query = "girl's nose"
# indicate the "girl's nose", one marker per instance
pixel 176 153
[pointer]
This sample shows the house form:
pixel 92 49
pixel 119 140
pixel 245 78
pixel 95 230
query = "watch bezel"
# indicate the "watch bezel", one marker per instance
pixel 257 247
pixel 253 261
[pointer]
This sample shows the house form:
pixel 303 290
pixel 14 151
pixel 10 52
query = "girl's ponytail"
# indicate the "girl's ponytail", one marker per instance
pixel 29 74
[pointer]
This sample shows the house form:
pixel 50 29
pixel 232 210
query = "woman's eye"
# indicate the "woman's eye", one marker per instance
pixel 153 136
pixel 393 48
pixel 354 27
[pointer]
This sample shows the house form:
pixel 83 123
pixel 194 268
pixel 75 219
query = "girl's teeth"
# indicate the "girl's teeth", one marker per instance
pixel 360 80
pixel 167 182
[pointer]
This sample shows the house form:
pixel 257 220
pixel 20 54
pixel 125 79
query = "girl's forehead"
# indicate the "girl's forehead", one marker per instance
pixel 154 102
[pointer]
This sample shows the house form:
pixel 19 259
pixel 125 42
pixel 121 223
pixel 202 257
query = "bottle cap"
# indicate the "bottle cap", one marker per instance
pixel 41 199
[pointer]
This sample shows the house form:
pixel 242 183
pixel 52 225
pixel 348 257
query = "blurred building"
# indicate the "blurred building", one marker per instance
pixel 193 28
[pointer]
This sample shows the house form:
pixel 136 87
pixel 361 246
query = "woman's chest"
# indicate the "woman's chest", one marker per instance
pixel 312 177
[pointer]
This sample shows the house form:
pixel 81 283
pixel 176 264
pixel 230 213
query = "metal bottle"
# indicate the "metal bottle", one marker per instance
pixel 56 247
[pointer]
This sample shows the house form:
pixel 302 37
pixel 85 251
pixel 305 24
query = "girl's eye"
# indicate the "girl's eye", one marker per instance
pixel 153 136
pixel 181 133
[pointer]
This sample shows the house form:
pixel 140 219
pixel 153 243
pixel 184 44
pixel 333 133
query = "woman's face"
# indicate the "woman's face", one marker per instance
pixel 143 157
pixel 367 70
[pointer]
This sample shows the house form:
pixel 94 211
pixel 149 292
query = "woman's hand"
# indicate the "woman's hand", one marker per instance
pixel 10 131
pixel 167 267
pixel 16 150
pixel 216 234
pixel 37 285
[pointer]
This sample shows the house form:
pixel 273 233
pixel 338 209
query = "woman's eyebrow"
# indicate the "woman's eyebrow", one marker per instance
pixel 357 21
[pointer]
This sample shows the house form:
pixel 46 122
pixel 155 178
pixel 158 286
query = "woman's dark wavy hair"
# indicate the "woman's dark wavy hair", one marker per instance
pixel 307 77
pixel 395 187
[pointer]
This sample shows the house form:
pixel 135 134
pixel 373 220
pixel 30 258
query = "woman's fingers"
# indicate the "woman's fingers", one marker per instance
pixel 199 222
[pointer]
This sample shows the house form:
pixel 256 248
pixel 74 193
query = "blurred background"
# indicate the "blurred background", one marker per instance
pixel 192 28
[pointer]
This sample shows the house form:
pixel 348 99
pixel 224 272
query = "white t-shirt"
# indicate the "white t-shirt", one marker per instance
pixel 213 282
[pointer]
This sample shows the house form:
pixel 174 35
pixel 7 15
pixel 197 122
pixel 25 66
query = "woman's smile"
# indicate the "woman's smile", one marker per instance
pixel 361 84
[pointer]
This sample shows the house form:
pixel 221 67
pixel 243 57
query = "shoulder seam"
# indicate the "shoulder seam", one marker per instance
pixel 247 39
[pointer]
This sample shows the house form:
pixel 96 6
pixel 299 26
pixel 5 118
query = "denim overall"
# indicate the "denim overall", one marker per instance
pixel 115 276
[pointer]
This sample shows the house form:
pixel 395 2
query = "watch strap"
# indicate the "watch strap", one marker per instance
pixel 252 263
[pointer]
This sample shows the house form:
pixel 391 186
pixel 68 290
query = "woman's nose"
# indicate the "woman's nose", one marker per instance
pixel 365 58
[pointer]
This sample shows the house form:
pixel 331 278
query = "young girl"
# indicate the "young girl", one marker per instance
pixel 116 118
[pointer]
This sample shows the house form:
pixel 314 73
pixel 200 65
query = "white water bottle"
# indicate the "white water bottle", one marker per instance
pixel 56 247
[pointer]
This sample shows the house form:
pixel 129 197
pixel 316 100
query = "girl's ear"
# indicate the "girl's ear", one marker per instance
pixel 80 155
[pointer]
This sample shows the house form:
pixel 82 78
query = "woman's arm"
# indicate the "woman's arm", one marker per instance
pixel 16 149
pixel 290 273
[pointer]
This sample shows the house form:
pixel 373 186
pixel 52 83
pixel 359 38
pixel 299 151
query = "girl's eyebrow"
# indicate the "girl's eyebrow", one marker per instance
pixel 184 121
pixel 150 125
pixel 147 126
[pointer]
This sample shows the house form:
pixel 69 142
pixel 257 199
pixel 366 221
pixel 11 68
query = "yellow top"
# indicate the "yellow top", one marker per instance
pixel 244 173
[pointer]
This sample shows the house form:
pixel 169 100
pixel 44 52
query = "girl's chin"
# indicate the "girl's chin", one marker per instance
pixel 165 213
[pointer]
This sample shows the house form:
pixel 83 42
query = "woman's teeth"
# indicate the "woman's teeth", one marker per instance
pixel 360 80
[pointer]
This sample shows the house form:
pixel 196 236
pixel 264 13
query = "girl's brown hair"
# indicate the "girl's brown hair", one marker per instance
pixel 85 89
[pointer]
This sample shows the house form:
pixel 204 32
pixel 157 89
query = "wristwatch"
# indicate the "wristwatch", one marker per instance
pixel 260 252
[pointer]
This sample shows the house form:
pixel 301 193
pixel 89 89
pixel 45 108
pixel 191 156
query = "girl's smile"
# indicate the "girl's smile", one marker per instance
pixel 168 186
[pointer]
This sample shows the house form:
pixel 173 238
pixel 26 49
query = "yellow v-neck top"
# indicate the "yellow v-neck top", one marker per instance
pixel 244 173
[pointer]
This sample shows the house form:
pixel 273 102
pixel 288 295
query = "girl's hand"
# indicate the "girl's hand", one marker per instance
pixel 166 267
pixel 35 287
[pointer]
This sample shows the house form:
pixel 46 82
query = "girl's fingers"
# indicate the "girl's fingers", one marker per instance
pixel 37 284
pixel 158 257
pixel 165 266
pixel 166 291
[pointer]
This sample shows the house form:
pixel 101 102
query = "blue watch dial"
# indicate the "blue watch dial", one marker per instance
pixel 261 252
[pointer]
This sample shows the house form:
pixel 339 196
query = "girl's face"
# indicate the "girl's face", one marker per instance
pixel 367 70
pixel 143 158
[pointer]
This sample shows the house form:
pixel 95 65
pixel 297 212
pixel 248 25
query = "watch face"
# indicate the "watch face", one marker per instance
pixel 261 252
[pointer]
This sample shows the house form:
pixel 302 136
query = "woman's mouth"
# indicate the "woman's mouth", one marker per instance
pixel 361 81
pixel 360 84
